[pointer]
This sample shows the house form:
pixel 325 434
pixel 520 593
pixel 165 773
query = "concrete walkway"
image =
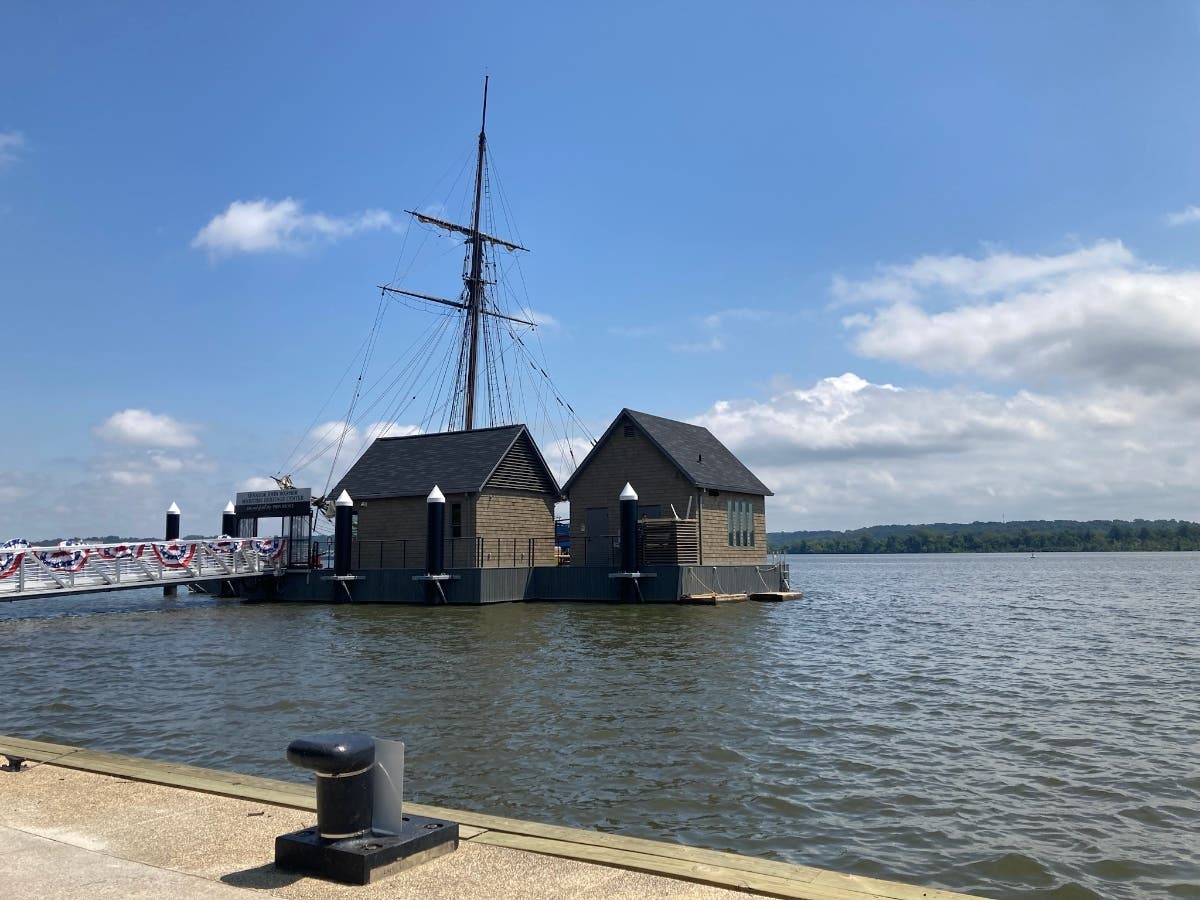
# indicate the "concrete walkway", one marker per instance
pixel 79 823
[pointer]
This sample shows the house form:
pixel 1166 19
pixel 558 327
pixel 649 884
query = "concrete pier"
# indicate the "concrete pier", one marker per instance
pixel 87 824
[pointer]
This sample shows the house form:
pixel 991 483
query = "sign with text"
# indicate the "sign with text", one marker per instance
pixel 266 504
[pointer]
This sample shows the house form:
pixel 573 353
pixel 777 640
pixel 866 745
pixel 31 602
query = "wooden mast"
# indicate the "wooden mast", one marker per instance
pixel 475 279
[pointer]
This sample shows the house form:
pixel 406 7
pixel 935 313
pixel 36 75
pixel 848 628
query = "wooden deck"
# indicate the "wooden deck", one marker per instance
pixel 693 864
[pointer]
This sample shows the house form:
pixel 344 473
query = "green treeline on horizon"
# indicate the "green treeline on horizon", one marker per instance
pixel 995 537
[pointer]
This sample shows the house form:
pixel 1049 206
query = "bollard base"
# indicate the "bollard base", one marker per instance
pixel 365 859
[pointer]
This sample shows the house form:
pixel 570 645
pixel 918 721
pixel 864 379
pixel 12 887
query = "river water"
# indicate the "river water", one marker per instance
pixel 996 724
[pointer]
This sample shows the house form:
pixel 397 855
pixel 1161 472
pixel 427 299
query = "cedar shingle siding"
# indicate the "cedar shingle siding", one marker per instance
pixel 506 492
pixel 669 464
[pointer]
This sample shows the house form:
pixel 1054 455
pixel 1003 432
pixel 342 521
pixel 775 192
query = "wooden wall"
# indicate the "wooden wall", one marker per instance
pixel 634 459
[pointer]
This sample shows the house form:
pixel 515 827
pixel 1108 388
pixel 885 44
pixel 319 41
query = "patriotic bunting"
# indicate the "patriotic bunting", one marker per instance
pixel 174 555
pixel 65 558
pixel 226 544
pixel 120 551
pixel 269 548
pixel 11 554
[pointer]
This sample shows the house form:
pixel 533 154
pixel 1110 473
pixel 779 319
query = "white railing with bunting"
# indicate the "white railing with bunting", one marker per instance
pixel 74 567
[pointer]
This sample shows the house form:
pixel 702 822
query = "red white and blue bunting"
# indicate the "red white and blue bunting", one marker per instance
pixel 269 548
pixel 66 558
pixel 174 555
pixel 120 551
pixel 225 544
pixel 11 554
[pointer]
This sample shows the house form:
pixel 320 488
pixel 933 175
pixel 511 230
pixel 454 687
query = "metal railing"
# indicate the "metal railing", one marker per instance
pixel 521 551
pixel 27 570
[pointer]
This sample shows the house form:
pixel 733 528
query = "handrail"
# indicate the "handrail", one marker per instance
pixel 73 566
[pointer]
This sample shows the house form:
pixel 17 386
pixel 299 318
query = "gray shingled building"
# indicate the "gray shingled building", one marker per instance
pixel 500 498
pixel 699 503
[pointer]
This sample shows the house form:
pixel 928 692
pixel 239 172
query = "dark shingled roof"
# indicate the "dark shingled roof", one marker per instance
pixel 458 462
pixel 704 461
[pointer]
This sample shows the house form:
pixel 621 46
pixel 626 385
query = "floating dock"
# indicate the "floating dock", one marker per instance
pixel 78 822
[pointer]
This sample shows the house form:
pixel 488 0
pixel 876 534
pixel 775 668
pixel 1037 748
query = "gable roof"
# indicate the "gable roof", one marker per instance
pixel 458 462
pixel 704 461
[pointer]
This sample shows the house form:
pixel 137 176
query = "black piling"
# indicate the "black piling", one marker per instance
pixel 630 589
pixel 435 543
pixel 229 521
pixel 171 534
pixel 343 524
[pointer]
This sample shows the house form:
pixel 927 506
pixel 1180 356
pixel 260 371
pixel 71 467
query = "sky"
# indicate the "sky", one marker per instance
pixel 912 262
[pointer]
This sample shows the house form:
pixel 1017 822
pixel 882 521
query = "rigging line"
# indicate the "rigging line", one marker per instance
pixel 410 394
pixel 321 449
pixel 357 388
pixel 505 208
pixel 313 424
pixel 392 413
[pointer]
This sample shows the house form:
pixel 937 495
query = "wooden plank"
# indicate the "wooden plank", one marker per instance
pixel 35 750
pixel 703 873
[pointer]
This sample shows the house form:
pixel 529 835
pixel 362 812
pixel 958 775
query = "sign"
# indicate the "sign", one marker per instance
pixel 268 504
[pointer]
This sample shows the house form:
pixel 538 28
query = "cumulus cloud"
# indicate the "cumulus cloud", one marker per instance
pixel 144 428
pixel 256 226
pixel 1184 216
pixel 12 143
pixel 845 453
pixel 1097 314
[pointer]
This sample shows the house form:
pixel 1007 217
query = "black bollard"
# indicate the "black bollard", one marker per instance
pixel 344 766
pixel 229 520
pixel 346 845
pixel 172 534
pixel 343 524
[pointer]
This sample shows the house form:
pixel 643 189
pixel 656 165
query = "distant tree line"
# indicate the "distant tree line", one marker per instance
pixel 995 537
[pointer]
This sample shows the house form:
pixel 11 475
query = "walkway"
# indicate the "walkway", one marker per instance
pixel 79 823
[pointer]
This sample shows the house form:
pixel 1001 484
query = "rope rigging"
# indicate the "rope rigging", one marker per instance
pixel 483 335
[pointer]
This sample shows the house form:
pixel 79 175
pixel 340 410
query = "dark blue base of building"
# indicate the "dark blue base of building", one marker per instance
pixel 659 584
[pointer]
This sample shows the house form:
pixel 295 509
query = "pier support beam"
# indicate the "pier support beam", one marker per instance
pixel 172 534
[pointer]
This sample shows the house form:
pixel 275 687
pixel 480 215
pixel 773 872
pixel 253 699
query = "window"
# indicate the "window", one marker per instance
pixel 455 520
pixel 739 518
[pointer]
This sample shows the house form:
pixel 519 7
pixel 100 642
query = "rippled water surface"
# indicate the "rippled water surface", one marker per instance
pixel 995 724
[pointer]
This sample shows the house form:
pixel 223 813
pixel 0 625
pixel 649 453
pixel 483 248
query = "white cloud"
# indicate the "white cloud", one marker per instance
pixel 1094 315
pixel 964 276
pixel 845 453
pixel 12 143
pixel 1184 216
pixel 255 226
pixel 144 428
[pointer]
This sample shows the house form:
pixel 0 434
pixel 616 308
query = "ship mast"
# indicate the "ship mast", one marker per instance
pixel 475 279
pixel 473 301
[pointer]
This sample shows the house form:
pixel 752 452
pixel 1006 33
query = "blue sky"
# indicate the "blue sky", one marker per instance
pixel 913 262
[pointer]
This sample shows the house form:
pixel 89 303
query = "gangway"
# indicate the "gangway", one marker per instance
pixel 73 567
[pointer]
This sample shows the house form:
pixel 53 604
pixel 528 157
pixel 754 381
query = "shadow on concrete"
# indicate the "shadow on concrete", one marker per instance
pixel 262 877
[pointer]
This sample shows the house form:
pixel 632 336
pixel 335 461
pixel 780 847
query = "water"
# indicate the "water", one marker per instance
pixel 1001 725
